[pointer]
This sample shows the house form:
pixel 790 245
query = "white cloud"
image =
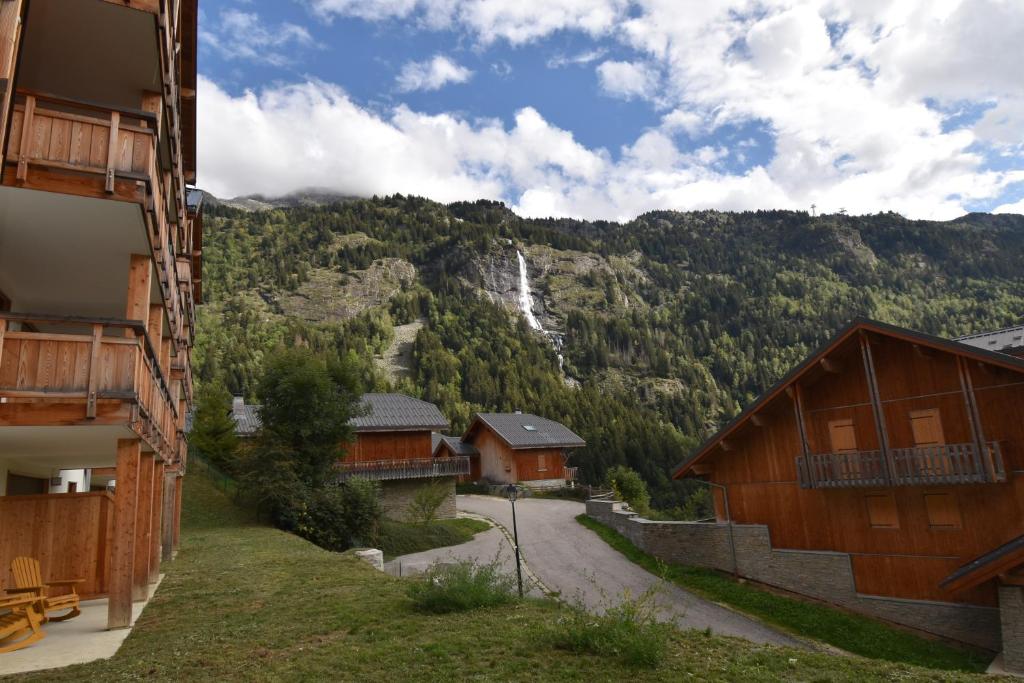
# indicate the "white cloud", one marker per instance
pixel 244 35
pixel 844 92
pixel 432 74
pixel 627 79
pixel 1015 207
pixel 579 59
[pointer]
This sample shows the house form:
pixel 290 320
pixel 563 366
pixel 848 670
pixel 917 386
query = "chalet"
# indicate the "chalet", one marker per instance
pixel 454 447
pixel 100 241
pixel 884 473
pixel 520 448
pixel 394 445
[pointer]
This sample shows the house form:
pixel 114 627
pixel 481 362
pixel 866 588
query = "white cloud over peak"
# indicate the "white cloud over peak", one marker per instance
pixel 431 74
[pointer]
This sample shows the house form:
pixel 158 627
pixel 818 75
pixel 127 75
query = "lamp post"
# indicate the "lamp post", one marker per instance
pixel 512 491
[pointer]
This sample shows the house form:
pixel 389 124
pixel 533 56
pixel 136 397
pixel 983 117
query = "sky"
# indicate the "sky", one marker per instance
pixel 605 109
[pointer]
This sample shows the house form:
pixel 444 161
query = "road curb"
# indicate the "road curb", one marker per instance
pixel 511 541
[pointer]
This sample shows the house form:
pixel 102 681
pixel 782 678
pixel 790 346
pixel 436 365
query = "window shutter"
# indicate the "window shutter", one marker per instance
pixel 842 435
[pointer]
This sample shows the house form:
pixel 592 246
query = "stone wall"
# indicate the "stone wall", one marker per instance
pixel 826 576
pixel 397 495
pixel 1011 604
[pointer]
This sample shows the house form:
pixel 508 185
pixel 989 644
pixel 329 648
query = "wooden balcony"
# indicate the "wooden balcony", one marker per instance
pixel 110 375
pixel 919 466
pixel 425 468
pixel 570 473
pixel 89 150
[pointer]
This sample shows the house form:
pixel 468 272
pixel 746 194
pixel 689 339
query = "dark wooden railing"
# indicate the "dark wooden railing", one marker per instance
pixel 570 473
pixel 382 470
pixel 960 463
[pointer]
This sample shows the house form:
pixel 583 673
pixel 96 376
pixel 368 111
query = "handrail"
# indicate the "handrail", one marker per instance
pixel 141 114
pixel 405 469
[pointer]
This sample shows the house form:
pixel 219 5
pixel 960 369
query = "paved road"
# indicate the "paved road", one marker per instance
pixel 571 560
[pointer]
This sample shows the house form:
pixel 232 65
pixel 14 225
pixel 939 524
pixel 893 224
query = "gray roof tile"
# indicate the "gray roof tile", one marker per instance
pixel 458 446
pixel 397 412
pixel 523 430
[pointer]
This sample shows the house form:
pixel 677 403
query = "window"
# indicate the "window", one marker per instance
pixel 529 428
pixel 927 427
pixel 882 511
pixel 842 435
pixel 542 462
pixel 943 511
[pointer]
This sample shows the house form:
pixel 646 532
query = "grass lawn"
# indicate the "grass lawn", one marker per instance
pixel 401 538
pixel 851 632
pixel 244 602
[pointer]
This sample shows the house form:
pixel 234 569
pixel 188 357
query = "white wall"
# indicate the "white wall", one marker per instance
pixel 79 477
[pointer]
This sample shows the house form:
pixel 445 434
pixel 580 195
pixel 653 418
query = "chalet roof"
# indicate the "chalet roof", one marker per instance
pixel 865 324
pixel 986 567
pixel 1008 340
pixel 456 444
pixel 397 412
pixel 246 416
pixel 523 430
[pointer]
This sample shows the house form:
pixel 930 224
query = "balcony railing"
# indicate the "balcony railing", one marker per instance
pixel 383 470
pixel 88 368
pixel 960 463
pixel 570 473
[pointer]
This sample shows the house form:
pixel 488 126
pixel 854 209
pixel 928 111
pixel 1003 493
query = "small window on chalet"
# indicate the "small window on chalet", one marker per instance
pixel 842 435
pixel 529 428
pixel 927 427
pixel 882 511
pixel 542 462
pixel 943 511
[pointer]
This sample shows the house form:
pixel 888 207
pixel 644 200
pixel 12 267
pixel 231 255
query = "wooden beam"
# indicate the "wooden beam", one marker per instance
pixel 798 408
pixel 876 403
pixel 831 366
pixel 140 277
pixel 971 406
pixel 922 352
pixel 126 494
pixel 95 359
pixel 177 512
pixel 143 528
pixel 759 420
pixel 156 540
pixel 167 526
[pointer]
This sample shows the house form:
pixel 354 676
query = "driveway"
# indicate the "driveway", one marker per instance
pixel 573 561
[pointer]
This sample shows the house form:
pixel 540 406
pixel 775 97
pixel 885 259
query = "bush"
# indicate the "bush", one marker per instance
pixel 628 631
pixel 630 487
pixel 427 501
pixel 473 487
pixel 335 517
pixel 462 586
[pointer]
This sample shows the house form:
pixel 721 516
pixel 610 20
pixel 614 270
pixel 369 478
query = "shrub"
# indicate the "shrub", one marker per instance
pixel 335 517
pixel 427 501
pixel 462 586
pixel 630 487
pixel 628 631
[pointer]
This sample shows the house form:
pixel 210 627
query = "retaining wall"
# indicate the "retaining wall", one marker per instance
pixel 823 575
pixel 398 494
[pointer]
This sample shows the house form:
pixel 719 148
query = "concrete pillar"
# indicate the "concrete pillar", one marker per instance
pixel 143 528
pixel 122 556
pixel 1011 616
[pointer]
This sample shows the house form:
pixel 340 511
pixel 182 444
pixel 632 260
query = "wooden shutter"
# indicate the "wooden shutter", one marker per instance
pixel 542 462
pixel 943 511
pixel 842 435
pixel 927 427
pixel 882 511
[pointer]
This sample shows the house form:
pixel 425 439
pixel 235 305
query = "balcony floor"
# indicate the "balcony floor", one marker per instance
pixel 82 639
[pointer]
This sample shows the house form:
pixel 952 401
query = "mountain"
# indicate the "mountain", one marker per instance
pixel 652 332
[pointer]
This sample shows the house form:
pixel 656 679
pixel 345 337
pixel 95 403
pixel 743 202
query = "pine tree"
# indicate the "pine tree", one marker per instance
pixel 213 428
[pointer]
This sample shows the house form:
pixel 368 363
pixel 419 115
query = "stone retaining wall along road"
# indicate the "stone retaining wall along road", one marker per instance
pixel 826 576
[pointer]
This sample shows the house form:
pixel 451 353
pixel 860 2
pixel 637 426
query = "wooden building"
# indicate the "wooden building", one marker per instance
pixel 454 447
pixel 100 239
pixel 394 445
pixel 521 448
pixel 900 449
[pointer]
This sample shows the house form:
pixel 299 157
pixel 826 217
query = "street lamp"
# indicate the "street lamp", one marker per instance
pixel 512 491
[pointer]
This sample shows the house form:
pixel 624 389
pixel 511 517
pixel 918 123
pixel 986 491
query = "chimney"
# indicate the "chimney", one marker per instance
pixel 237 403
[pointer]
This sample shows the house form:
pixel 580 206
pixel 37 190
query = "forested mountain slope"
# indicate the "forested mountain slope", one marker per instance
pixel 666 325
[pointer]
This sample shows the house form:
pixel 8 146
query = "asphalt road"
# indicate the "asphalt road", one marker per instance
pixel 573 561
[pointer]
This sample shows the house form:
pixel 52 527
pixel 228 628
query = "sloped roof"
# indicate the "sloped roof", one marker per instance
pixel 523 430
pixel 985 567
pixel 865 324
pixel 1008 340
pixel 397 412
pixel 457 445
pixel 246 416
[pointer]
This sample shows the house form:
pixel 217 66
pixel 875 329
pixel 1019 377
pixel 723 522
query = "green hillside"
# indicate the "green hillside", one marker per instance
pixel 668 324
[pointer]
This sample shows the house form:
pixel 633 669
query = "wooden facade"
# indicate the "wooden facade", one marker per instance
pixel 500 462
pixel 900 449
pixel 95 355
pixel 397 445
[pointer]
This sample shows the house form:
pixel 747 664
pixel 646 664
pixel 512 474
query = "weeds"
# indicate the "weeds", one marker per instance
pixel 462 586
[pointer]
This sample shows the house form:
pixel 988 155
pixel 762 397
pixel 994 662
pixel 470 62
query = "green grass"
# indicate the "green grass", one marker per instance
pixel 851 632
pixel 401 538
pixel 244 602
pixel 462 586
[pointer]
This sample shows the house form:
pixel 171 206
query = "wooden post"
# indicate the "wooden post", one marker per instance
pixel 876 406
pixel 140 279
pixel 177 512
pixel 973 416
pixel 95 357
pixel 805 449
pixel 3 331
pixel 167 529
pixel 156 540
pixel 10 41
pixel 27 124
pixel 112 144
pixel 126 494
pixel 143 528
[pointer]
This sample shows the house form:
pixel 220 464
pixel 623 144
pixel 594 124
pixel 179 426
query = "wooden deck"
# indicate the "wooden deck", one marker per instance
pixel 423 468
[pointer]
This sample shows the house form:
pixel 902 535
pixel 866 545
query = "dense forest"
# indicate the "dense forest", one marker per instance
pixel 664 326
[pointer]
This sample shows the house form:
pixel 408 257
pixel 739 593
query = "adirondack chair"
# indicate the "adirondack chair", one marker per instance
pixel 28 579
pixel 21 622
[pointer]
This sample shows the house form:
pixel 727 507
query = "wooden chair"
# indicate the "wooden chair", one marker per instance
pixel 21 622
pixel 28 579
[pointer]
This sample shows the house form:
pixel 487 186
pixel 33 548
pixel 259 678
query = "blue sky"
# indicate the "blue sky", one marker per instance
pixel 607 108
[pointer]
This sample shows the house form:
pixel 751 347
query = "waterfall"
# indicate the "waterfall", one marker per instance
pixel 525 299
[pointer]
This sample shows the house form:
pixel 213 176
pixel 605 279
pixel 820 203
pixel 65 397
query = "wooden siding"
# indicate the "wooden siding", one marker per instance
pixel 497 461
pixel 925 545
pixel 539 464
pixel 67 532
pixel 371 446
